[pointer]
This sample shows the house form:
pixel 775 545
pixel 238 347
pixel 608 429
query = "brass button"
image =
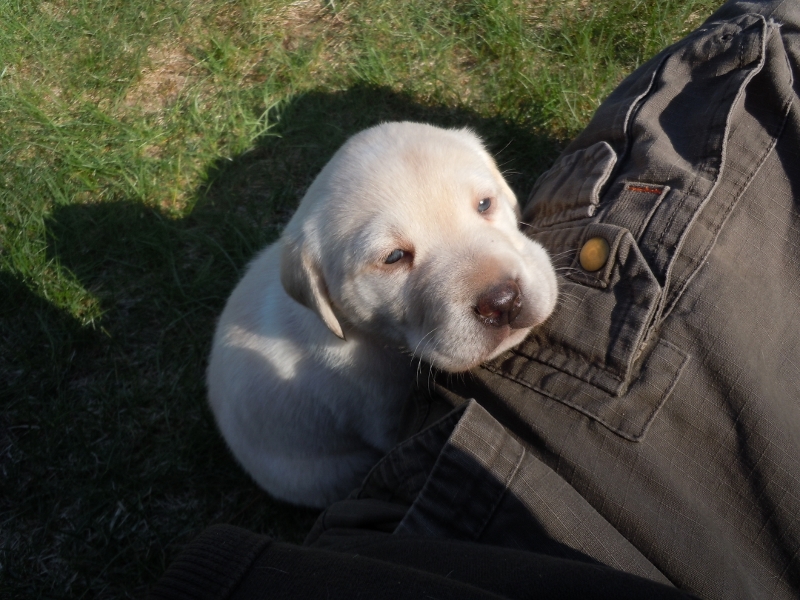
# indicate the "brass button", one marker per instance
pixel 594 254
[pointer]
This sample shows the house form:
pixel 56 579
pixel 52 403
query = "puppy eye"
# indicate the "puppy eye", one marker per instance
pixel 394 256
pixel 484 205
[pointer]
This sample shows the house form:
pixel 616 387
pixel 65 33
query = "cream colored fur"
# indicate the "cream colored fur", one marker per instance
pixel 310 366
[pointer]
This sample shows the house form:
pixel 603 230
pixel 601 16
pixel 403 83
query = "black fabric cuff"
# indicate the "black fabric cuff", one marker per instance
pixel 212 566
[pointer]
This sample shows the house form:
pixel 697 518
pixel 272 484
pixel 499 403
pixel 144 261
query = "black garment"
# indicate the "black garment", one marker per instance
pixel 235 564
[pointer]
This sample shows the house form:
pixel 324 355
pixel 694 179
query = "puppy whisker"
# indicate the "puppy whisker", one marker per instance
pixel 562 300
pixel 414 353
pixel 562 253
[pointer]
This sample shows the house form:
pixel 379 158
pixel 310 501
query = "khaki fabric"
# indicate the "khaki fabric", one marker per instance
pixel 653 423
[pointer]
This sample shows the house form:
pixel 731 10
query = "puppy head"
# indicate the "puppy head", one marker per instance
pixel 409 236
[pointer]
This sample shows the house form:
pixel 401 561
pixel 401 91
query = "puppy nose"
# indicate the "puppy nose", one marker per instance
pixel 500 305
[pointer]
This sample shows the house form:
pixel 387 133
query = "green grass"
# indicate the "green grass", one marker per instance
pixel 147 150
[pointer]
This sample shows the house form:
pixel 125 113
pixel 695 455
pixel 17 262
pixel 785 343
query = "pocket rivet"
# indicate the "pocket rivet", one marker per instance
pixel 594 254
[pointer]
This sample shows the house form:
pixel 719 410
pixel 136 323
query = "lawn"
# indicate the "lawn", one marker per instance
pixel 147 150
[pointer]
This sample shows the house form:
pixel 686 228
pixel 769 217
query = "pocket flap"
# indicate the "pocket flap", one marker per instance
pixel 570 190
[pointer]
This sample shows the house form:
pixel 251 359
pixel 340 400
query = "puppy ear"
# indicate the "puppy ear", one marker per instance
pixel 302 279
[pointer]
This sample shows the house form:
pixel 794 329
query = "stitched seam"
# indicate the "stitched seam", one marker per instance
pixel 507 485
pixel 630 437
pixel 736 94
pixel 573 355
pixel 573 405
pixel 731 206
pixel 665 299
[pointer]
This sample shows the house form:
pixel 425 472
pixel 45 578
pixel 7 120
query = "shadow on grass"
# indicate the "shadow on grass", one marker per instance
pixel 115 458
pixel 312 127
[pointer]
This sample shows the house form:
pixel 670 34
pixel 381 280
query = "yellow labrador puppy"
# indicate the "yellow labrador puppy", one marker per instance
pixel 406 242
